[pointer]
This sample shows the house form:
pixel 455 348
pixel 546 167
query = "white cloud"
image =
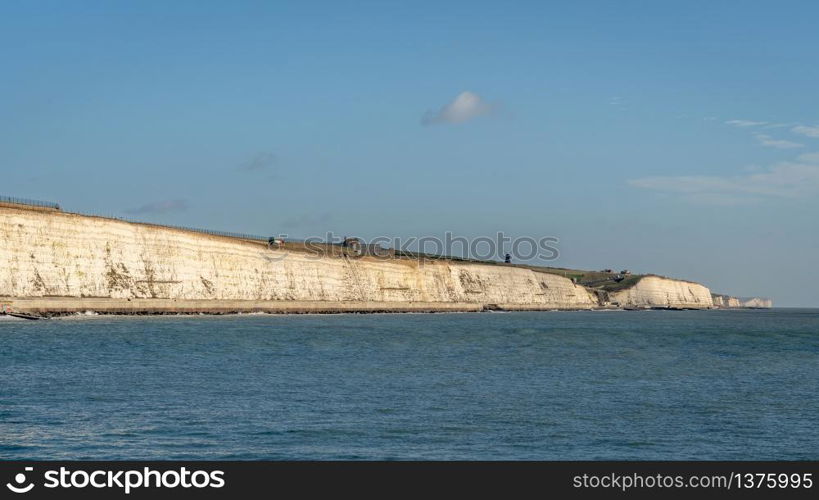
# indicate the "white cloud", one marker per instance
pixel 466 106
pixel 783 180
pixel 770 142
pixel 806 131
pixel 809 157
pixel 745 123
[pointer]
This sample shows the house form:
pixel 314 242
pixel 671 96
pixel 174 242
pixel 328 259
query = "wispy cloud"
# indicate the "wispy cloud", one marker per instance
pixel 159 207
pixel 806 131
pixel 778 125
pixel 619 103
pixel 465 107
pixel 809 158
pixel 770 142
pixel 745 123
pixel 782 180
pixel 261 161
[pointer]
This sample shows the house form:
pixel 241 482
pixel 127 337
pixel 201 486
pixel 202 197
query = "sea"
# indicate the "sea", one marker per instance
pixel 591 385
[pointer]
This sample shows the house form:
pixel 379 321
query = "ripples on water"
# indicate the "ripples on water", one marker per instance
pixel 541 385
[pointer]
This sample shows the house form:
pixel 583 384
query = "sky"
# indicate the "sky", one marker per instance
pixel 677 138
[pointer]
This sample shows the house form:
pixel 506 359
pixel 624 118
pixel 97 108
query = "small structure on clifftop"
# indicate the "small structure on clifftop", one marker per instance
pixel 353 244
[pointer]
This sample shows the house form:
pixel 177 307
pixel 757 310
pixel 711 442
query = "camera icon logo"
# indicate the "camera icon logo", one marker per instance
pixel 20 478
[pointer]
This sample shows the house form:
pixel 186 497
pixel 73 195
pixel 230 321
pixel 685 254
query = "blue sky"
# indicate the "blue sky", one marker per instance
pixel 675 138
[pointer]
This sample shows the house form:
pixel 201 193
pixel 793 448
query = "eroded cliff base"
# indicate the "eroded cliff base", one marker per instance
pixel 48 307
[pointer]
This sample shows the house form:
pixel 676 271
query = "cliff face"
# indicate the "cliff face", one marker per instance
pixel 69 255
pixel 728 302
pixel 654 291
pixel 52 254
pixel 725 301
pixel 757 302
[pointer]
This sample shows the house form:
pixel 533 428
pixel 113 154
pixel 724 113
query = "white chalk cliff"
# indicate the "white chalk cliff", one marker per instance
pixel 655 291
pixel 728 302
pixel 57 254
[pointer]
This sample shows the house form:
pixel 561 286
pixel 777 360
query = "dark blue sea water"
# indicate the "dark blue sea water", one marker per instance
pixel 541 385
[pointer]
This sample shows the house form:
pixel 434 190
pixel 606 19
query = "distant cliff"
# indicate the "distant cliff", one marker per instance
pixel 53 260
pixel 728 302
pixel 656 291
